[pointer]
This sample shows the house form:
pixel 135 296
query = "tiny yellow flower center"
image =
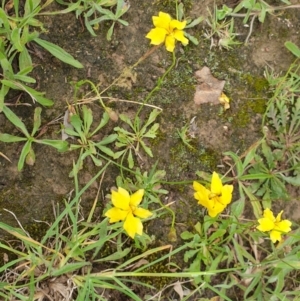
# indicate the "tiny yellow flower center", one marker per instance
pixel 132 208
pixel 214 195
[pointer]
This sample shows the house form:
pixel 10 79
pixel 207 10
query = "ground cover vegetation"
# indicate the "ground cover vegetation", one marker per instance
pixel 94 257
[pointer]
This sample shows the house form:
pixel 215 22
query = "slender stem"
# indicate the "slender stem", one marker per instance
pixel 250 29
pixel 158 86
pixel 272 8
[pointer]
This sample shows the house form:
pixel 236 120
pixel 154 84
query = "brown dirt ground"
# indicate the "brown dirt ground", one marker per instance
pixel 30 193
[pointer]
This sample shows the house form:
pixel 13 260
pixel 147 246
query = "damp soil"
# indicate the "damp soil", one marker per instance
pixel 31 193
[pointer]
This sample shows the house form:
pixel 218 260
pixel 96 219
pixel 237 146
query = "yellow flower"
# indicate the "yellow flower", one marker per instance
pixel 276 226
pixel 126 208
pixel 217 198
pixel 168 31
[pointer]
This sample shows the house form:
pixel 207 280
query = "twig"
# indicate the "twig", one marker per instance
pixel 89 100
pixel 250 29
pixel 272 8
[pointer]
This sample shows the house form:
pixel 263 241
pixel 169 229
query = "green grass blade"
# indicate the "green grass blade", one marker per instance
pixel 14 119
pixel 25 151
pixel 60 145
pixel 293 48
pixel 59 53
pixel 7 138
pixel 36 120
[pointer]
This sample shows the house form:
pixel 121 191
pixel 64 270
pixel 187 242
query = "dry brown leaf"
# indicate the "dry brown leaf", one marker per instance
pixel 209 88
pixel 127 78
pixel 178 289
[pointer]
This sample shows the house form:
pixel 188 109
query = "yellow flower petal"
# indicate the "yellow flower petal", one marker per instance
pixel 265 224
pixel 120 198
pixel 179 36
pixel 136 198
pixel 133 225
pixel 224 100
pixel 157 36
pixel 269 214
pixel 197 186
pixel 142 213
pixel 275 236
pixel 284 226
pixel 163 20
pixel 226 196
pixel 278 217
pixel 116 214
pixel 175 24
pixel 216 184
pixel 215 207
pixel 202 196
pixel 170 43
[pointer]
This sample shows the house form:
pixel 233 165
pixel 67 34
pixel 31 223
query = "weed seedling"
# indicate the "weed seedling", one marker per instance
pixel 132 140
pixel 27 154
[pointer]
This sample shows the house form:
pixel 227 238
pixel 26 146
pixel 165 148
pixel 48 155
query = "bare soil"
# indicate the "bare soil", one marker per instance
pixel 31 193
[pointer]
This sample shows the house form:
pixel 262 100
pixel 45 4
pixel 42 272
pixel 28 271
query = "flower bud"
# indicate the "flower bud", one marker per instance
pixel 172 236
pixel 112 114
pixel 30 158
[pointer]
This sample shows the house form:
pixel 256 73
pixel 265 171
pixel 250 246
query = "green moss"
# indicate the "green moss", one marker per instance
pixel 256 84
pixel 208 159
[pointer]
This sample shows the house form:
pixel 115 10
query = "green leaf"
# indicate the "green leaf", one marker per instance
pixel 152 132
pixel 293 48
pixel 115 256
pixel 262 14
pixel 110 32
pixel 146 149
pixel 16 39
pixel 126 119
pixel 190 254
pixel 25 70
pixel 3 91
pixel 192 38
pixel 237 161
pixel 255 281
pixel 14 119
pixel 186 235
pixel 36 120
pixel 255 176
pixel 257 210
pixel 87 119
pixel 130 159
pixel 237 208
pixel 59 53
pixel 60 145
pixel 30 5
pixel 266 150
pixel 30 158
pixel 24 78
pixel 195 22
pixel 295 181
pixel 103 122
pixel 35 95
pixel 25 150
pixel 108 139
pixel 4 19
pixel 106 150
pixel 69 268
pixel 217 234
pixel 117 155
pixel 76 122
pixel 250 156
pixel 151 119
pixel 10 138
pixel 97 162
